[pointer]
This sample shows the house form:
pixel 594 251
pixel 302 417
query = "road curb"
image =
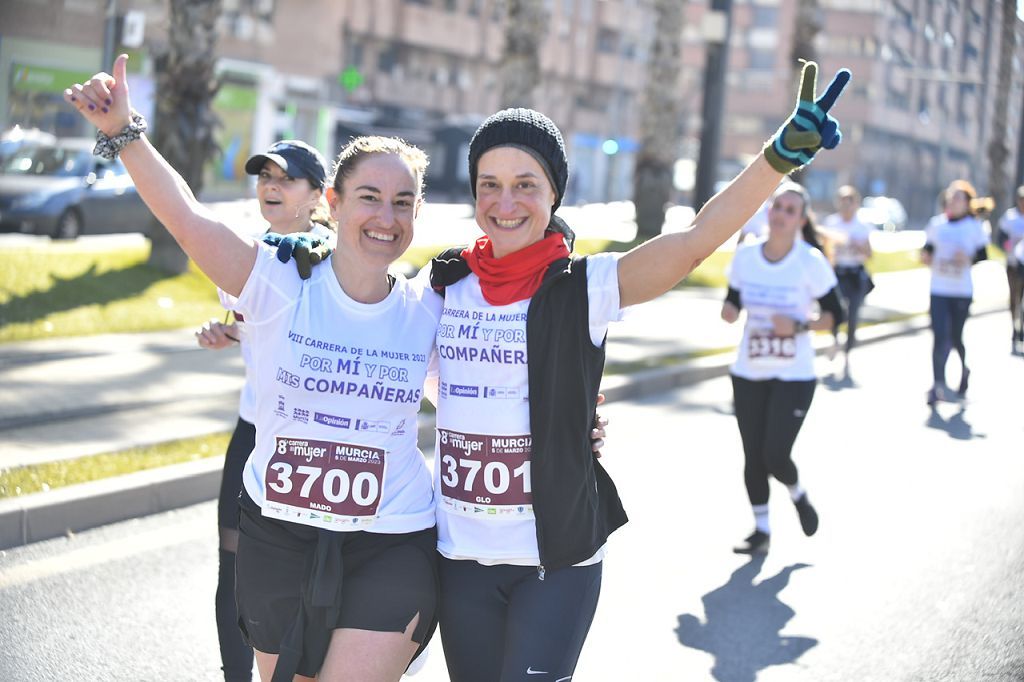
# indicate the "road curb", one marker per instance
pixel 69 510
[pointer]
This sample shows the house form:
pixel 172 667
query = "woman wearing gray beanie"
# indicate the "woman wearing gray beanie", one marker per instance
pixel 524 509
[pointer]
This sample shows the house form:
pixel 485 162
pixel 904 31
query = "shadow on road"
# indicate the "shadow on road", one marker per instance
pixel 838 382
pixel 742 626
pixel 956 425
pixel 89 288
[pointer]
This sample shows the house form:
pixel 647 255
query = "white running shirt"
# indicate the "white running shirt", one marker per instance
pixel 964 236
pixel 790 287
pixel 247 397
pixel 851 233
pixel 482 454
pixel 340 386
pixel 1012 223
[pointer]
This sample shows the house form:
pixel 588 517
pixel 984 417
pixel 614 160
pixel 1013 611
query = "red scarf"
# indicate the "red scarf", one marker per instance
pixel 517 276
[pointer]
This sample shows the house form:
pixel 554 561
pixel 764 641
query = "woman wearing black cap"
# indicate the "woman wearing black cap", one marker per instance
pixel 290 185
pixel 336 560
pixel 523 507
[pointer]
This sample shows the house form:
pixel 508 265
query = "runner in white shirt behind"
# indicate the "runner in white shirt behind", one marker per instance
pixel 954 241
pixel 851 249
pixel 782 283
pixel 290 185
pixel 1011 234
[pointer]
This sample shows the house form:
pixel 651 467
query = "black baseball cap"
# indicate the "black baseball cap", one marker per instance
pixel 295 157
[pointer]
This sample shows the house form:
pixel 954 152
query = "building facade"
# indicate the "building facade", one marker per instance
pixel 918 112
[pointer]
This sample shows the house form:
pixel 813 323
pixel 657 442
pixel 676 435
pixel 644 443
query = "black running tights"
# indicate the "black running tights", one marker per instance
pixel 769 413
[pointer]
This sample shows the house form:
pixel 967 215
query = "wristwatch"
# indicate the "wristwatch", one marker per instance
pixel 800 327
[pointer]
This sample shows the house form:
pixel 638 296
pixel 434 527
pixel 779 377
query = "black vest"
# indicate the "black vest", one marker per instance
pixel 574 499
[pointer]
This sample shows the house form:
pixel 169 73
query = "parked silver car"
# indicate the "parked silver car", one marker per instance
pixel 17 138
pixel 63 190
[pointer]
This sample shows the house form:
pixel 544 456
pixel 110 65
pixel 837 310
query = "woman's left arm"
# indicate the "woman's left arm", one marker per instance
pixel 657 265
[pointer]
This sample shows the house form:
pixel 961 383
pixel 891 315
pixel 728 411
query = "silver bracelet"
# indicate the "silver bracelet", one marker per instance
pixel 109 147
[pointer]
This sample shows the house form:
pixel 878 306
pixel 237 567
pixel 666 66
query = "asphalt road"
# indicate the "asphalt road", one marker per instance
pixel 914 575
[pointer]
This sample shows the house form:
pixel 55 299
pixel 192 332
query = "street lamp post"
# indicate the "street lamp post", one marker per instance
pixel 109 35
pixel 716 28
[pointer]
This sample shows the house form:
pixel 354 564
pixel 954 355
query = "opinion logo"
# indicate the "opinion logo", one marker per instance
pixel 332 420
pixel 464 391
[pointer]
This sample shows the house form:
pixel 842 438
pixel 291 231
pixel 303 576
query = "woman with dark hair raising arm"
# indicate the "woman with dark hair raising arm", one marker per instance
pixel 524 510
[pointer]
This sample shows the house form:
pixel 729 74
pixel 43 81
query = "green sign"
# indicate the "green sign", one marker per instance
pixel 351 79
pixel 236 97
pixel 31 78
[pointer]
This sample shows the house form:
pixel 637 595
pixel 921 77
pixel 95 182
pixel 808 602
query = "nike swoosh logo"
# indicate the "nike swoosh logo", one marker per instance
pixel 531 671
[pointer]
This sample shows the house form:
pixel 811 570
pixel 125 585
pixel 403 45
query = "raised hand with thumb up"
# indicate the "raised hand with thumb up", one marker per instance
pixel 103 99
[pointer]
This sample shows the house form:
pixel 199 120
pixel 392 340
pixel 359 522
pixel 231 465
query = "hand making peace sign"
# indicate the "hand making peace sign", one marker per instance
pixel 810 127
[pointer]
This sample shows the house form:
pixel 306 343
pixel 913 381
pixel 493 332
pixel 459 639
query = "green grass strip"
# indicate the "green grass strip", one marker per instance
pixel 67 290
pixel 36 478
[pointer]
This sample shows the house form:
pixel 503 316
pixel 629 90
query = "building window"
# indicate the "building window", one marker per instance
pixel 763 60
pixel 607 41
pixel 765 17
pixel 354 55
pixel 903 16
pixel 387 59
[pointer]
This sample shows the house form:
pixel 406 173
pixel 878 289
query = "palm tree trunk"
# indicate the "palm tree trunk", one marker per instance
pixel 998 151
pixel 520 65
pixel 185 120
pixel 808 25
pixel 659 120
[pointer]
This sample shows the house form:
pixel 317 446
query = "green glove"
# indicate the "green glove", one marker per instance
pixel 305 248
pixel 810 128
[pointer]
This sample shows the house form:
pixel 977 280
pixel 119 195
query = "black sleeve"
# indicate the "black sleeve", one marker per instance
pixel 734 297
pixel 980 255
pixel 830 302
pixel 1000 237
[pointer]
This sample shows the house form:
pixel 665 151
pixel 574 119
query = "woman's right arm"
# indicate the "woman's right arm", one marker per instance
pixel 225 256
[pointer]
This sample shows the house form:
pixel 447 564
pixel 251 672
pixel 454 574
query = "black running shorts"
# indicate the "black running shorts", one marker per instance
pixel 386 580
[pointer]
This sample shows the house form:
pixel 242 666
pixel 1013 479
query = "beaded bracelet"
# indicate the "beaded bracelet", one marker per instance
pixel 109 147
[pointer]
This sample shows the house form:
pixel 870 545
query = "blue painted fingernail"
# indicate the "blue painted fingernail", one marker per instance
pixel 105 110
pixel 91 107
pixel 108 102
